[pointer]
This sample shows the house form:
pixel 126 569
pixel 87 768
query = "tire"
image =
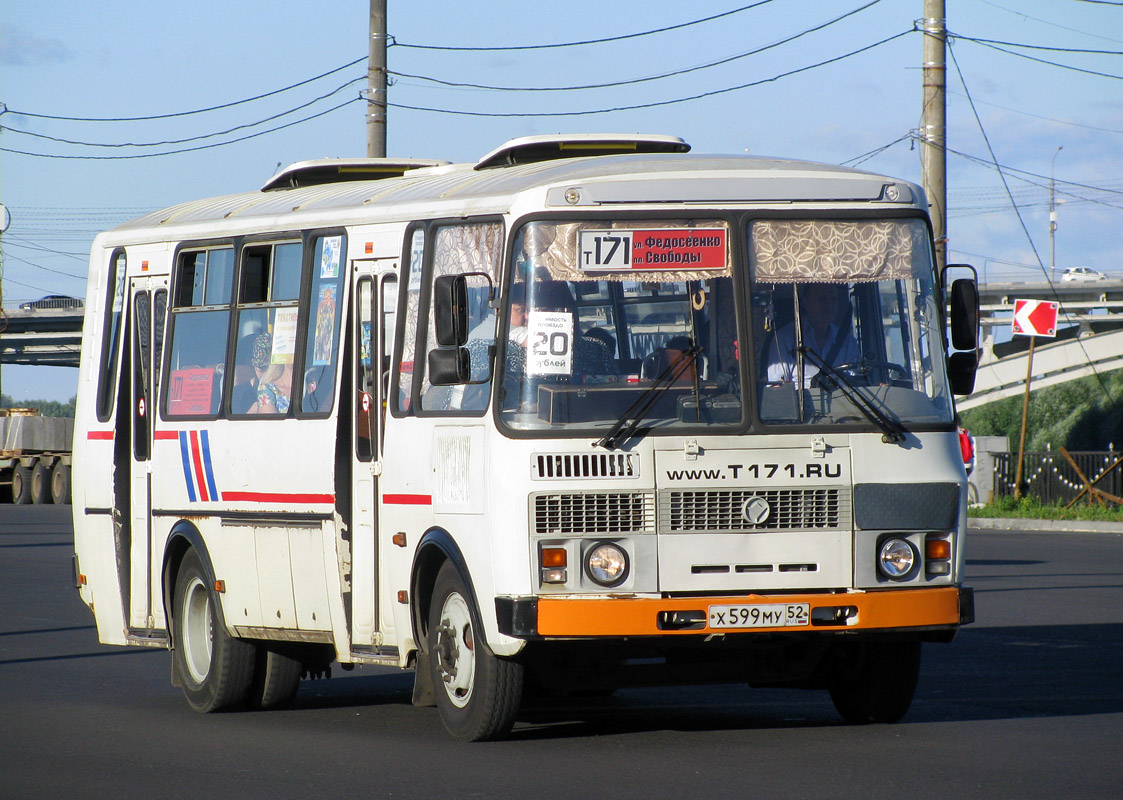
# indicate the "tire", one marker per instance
pixel 276 678
pixel 477 693
pixel 878 684
pixel 214 669
pixel 21 485
pixel 40 484
pixel 60 484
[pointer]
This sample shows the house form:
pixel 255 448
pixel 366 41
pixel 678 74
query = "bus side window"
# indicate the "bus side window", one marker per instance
pixel 463 250
pixel 199 320
pixel 322 344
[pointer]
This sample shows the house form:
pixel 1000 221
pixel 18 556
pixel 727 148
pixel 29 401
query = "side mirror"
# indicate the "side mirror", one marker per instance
pixel 963 300
pixel 961 372
pixel 451 367
pixel 450 310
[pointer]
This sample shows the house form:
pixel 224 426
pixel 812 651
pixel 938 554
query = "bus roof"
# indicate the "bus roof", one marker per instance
pixel 573 181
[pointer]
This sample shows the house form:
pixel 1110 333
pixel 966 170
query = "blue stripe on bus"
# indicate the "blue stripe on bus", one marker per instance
pixel 206 441
pixel 185 454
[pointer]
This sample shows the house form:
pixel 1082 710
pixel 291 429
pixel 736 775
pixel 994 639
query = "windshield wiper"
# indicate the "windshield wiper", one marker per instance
pixel 622 429
pixel 891 430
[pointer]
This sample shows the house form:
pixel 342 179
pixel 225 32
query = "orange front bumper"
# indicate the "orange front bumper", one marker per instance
pixel 862 610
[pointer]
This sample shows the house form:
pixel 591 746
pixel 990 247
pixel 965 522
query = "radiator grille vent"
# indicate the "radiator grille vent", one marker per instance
pixel 790 509
pixel 594 513
pixel 546 466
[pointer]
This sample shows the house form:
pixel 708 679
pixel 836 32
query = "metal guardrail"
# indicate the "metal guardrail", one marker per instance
pixel 1049 477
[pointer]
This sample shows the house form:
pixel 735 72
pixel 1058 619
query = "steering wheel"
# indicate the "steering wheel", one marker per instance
pixel 866 368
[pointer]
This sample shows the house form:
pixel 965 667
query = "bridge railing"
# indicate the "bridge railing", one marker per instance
pixel 1050 478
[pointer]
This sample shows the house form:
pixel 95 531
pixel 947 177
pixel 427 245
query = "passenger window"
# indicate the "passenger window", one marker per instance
pixel 459 250
pixel 267 317
pixel 321 350
pixel 115 302
pixel 196 364
pixel 403 397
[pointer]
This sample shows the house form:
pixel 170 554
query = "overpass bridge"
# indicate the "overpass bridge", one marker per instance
pixel 1089 335
pixel 43 336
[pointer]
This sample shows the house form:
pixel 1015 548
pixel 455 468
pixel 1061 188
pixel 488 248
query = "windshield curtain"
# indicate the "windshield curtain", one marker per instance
pixel 602 317
pixel 844 308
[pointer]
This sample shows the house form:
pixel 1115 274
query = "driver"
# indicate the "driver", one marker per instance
pixel 820 334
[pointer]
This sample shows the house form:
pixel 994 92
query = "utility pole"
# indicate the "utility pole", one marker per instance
pixel 933 132
pixel 376 82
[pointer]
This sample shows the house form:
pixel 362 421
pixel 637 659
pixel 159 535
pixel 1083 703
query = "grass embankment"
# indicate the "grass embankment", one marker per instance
pixel 1032 508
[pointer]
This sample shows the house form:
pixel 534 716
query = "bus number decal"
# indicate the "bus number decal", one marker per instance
pixel 661 249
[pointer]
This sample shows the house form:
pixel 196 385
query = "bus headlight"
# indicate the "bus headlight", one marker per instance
pixel 606 564
pixel 896 559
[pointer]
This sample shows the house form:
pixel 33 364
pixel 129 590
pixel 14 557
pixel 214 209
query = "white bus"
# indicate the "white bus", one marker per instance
pixel 590 411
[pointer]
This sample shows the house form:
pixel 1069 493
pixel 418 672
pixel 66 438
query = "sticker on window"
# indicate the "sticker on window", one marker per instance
pixel 329 260
pixel 549 343
pixel 284 336
pixel 657 249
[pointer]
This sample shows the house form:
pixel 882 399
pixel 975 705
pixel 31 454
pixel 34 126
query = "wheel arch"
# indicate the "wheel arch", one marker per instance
pixel 435 548
pixel 183 536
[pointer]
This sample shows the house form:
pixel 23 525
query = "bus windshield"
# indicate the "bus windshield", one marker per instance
pixel 610 322
pixel 605 316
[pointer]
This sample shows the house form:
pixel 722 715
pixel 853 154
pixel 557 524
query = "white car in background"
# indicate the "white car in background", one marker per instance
pixel 1083 274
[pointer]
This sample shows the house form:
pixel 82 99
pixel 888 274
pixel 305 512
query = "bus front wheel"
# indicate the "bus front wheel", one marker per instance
pixel 214 669
pixel 876 682
pixel 477 693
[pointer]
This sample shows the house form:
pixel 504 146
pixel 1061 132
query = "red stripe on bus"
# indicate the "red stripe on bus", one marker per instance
pixel 159 435
pixel 197 463
pixel 102 435
pixel 277 497
pixel 408 499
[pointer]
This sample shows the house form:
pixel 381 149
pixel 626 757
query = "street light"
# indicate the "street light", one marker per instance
pixel 1053 213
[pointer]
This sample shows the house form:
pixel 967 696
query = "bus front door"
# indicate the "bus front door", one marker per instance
pixel 375 305
pixel 148 299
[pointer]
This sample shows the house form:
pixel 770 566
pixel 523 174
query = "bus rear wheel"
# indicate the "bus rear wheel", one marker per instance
pixel 276 678
pixel 877 684
pixel 477 693
pixel 214 669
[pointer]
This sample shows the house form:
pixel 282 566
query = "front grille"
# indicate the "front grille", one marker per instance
pixel 545 466
pixel 791 509
pixel 593 513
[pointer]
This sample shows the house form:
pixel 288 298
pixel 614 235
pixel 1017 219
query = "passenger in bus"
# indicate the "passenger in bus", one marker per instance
pixel 274 381
pixel 243 396
pixel 672 361
pixel 821 332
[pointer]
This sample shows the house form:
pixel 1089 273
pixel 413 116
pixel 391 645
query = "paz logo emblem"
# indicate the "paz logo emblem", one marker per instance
pixel 756 510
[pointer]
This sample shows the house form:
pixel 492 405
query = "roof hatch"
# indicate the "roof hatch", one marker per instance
pixel 531 149
pixel 339 170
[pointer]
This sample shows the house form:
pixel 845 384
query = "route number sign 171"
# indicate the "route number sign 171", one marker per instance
pixel 656 249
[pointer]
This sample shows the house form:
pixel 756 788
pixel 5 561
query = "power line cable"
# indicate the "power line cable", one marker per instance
pixel 656 103
pixel 1046 119
pixel 1021 221
pixel 48 269
pixel 983 43
pixel 1026 16
pixel 168 142
pixel 632 81
pixel 396 43
pixel 184 113
pixel 185 149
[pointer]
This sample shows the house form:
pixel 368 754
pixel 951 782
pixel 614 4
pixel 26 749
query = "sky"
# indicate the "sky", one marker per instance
pixel 1035 86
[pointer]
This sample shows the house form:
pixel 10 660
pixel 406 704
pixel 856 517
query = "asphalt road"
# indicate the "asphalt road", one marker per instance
pixel 1026 703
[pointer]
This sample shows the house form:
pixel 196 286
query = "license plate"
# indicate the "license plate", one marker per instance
pixel 761 615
